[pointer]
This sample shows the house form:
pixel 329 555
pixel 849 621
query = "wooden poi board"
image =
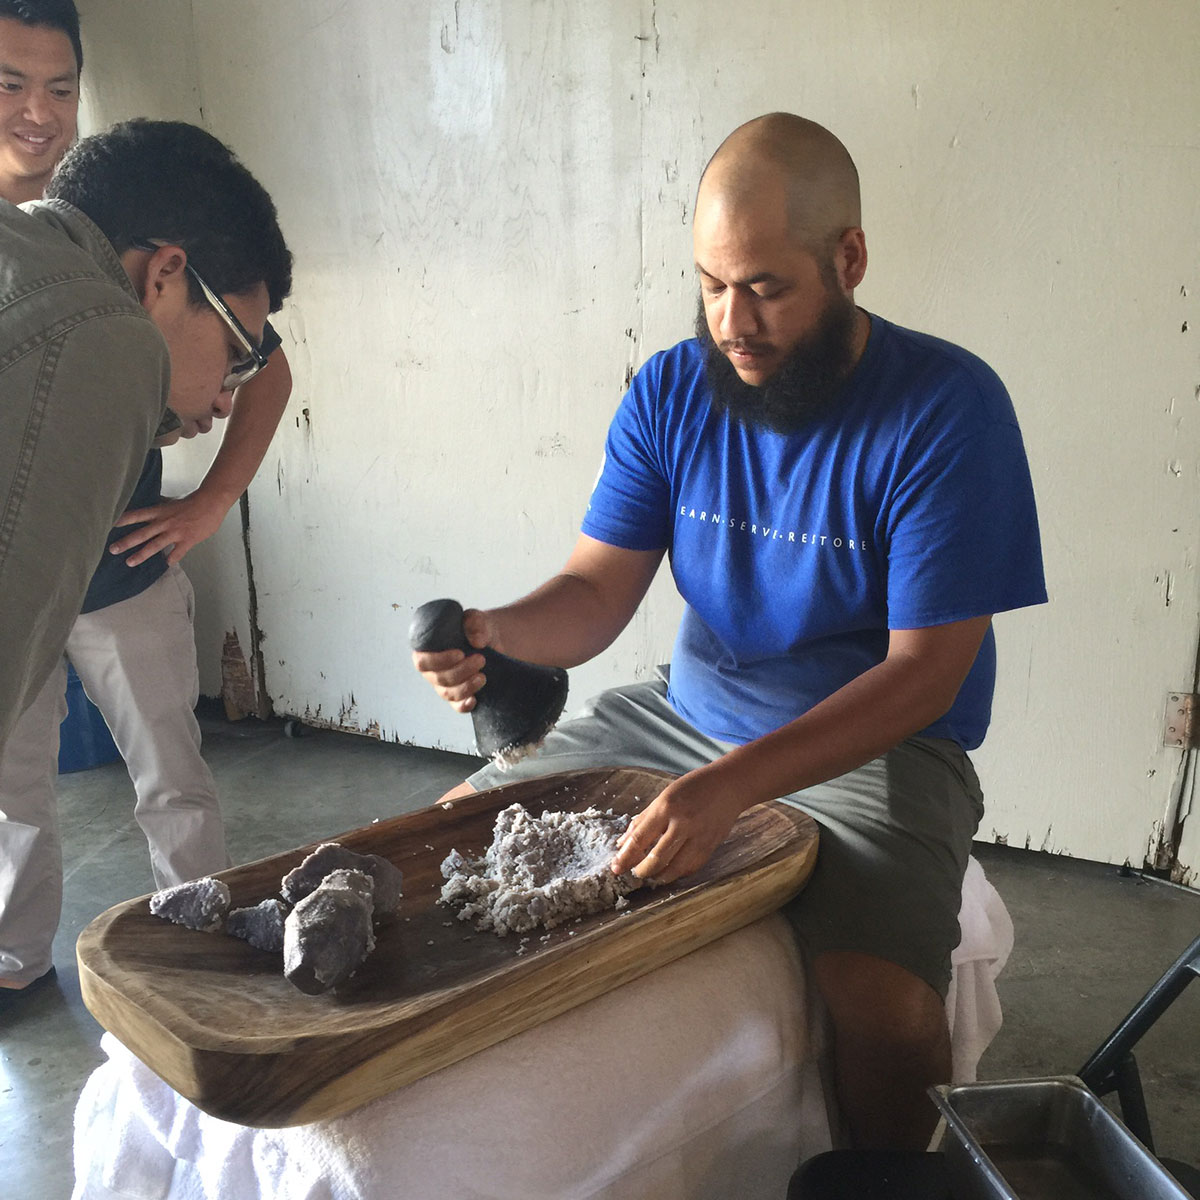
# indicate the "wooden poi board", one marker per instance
pixel 219 1022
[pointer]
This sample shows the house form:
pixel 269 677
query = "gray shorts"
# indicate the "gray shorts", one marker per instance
pixel 895 833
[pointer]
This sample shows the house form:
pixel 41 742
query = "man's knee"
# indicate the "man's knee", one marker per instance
pixel 457 792
pixel 891 1043
pixel 872 999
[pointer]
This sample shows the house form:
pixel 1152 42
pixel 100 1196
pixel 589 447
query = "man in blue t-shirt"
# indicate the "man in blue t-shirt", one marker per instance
pixel 845 504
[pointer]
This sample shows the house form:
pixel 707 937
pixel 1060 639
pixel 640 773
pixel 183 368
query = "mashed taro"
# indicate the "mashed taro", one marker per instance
pixel 539 871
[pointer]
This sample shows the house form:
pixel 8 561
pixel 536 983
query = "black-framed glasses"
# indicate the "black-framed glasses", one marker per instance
pixel 253 359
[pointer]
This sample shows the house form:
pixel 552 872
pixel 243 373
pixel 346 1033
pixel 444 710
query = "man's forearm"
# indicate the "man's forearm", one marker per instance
pixel 579 612
pixel 859 722
pixel 563 623
pixel 257 410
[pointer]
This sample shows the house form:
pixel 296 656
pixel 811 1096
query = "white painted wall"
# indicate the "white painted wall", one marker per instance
pixel 490 205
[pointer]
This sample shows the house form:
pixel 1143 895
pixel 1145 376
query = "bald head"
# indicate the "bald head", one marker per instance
pixel 779 250
pixel 784 162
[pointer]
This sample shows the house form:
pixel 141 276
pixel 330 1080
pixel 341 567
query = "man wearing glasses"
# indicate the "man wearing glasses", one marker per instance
pixel 135 300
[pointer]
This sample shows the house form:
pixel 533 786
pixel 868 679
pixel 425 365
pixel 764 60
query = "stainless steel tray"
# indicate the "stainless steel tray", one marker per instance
pixel 1049 1138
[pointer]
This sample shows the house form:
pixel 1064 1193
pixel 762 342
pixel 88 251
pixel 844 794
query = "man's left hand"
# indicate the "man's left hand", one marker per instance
pixel 179 524
pixel 678 831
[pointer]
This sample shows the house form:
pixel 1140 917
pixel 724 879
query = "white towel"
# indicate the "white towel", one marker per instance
pixel 972 1002
pixel 699 1081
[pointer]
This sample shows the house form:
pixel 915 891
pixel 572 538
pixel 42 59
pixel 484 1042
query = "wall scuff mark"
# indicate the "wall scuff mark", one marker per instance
pixel 262 702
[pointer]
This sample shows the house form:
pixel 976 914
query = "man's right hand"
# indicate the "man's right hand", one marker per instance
pixel 456 676
pixel 571 618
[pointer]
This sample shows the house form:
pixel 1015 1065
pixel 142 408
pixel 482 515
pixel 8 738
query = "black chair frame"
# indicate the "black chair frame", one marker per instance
pixel 1113 1067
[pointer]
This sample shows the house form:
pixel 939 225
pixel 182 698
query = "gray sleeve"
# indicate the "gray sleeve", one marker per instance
pixel 80 414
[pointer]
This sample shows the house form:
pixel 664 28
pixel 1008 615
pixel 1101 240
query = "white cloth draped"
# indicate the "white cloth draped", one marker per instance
pixel 702 1079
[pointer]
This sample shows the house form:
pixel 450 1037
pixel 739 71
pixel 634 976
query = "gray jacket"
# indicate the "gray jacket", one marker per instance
pixel 84 381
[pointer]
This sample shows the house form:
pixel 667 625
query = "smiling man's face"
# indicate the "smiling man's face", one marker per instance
pixel 39 104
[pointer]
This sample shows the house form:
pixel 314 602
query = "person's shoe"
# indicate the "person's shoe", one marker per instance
pixel 10 997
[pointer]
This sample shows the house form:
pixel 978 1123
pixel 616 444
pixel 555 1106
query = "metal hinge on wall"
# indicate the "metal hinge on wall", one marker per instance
pixel 1182 725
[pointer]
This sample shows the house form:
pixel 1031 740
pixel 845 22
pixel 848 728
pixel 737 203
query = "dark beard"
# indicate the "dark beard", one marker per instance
pixel 808 380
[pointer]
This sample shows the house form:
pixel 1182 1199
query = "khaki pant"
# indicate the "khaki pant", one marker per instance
pixel 895 833
pixel 137 663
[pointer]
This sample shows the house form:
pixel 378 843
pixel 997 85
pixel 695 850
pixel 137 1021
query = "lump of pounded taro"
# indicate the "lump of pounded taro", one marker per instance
pixel 261 926
pixel 328 934
pixel 332 856
pixel 198 904
pixel 454 863
pixel 539 871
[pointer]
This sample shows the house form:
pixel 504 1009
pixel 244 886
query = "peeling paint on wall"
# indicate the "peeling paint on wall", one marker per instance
pixel 237 685
pixel 1160 852
pixel 345 722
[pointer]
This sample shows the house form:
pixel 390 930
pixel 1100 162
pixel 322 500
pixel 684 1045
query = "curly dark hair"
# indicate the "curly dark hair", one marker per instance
pixel 173 182
pixel 54 14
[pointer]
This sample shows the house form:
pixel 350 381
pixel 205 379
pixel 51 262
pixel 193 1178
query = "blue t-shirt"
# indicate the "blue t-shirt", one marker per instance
pixel 907 503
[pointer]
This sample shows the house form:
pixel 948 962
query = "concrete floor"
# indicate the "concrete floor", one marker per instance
pixel 1089 941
